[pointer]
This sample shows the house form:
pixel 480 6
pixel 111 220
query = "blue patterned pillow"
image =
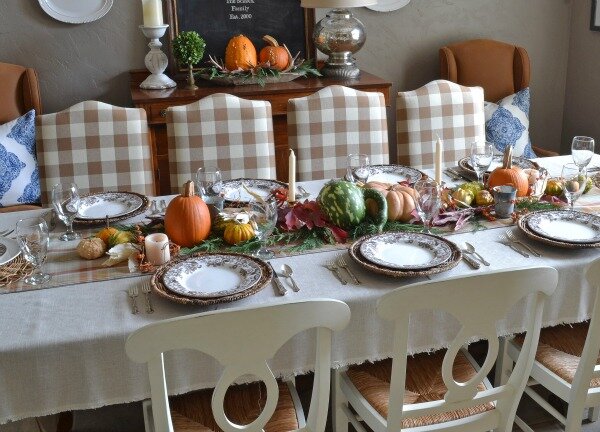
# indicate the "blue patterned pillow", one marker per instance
pixel 19 175
pixel 507 123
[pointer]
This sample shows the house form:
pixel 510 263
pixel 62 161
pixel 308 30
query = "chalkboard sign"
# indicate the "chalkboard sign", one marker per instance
pixel 217 21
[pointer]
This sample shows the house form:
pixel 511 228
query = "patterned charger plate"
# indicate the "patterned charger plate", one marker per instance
pixel 159 287
pixel 95 207
pixel 566 226
pixel 405 250
pixel 465 163
pixel 452 262
pixel 234 190
pixel 523 226
pixel 394 173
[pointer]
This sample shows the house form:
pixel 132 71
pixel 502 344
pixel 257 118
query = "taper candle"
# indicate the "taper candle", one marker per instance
pixel 439 151
pixel 157 248
pixel 292 177
pixel 153 14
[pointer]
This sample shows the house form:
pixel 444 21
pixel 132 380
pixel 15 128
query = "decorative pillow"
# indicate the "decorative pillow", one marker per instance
pixel 19 175
pixel 507 123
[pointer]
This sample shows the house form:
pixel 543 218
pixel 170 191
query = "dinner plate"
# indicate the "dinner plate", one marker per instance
pixel 465 163
pixel 76 11
pixel 237 190
pixel 522 224
pixel 213 275
pixel 393 174
pixel 405 250
pixel 388 5
pixel 566 226
pixel 115 205
pixel 9 250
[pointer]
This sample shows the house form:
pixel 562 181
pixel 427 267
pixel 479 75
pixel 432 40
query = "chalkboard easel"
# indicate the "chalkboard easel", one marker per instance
pixel 217 21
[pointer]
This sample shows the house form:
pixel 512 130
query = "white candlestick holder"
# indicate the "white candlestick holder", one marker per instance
pixel 156 61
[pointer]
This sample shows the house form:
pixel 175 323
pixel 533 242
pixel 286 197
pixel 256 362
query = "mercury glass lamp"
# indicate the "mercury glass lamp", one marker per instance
pixel 339 35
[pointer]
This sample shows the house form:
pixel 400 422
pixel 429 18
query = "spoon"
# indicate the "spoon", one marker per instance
pixel 287 271
pixel 471 249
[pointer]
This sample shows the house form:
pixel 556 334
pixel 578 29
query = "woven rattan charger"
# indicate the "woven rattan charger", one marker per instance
pixel 14 270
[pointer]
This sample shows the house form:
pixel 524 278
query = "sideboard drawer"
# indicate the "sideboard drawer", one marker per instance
pixel 157 114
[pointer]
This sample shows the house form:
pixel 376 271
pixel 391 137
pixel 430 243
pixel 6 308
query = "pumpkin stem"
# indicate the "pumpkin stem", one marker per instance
pixel 107 223
pixel 188 189
pixel 270 40
pixel 507 159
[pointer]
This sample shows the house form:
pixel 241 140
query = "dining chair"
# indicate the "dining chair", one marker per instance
pixel 501 69
pixel 242 340
pixel 98 146
pixel 445 390
pixel 232 133
pixel 443 109
pixel 567 364
pixel 327 126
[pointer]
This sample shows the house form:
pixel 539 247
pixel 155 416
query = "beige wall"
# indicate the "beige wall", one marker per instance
pixel 91 61
pixel 582 100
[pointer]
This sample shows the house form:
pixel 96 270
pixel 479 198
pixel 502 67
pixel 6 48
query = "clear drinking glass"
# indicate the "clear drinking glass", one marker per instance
pixel 208 185
pixel 482 154
pixel 33 238
pixel 66 201
pixel 582 150
pixel 357 168
pixel 574 181
pixel 264 218
pixel 428 202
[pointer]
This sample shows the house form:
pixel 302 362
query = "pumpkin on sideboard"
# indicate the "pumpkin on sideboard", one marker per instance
pixel 240 53
pixel 187 218
pixel 276 55
pixel 509 175
pixel 400 200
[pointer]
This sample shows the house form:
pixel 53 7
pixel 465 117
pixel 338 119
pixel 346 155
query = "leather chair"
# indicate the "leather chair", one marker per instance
pixel 19 93
pixel 501 69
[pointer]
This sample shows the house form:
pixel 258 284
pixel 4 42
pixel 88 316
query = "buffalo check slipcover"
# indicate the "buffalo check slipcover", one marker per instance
pixel 224 130
pixel 440 108
pixel 99 147
pixel 327 126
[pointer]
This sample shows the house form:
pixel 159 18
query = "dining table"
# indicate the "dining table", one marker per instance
pixel 63 347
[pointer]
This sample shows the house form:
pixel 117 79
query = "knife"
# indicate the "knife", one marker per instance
pixel 282 290
pixel 472 262
pixel 456 172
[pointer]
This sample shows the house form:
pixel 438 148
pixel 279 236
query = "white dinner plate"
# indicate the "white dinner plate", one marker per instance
pixel 393 174
pixel 566 226
pixel 405 250
pixel 76 11
pixel 212 276
pixel 465 163
pixel 9 250
pixel 237 190
pixel 112 204
pixel 388 5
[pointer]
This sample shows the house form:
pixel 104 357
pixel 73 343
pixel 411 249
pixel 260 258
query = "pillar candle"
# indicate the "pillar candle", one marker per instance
pixel 157 248
pixel 292 177
pixel 153 14
pixel 439 151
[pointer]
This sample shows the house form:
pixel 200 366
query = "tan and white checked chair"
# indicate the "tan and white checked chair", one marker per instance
pixel 98 146
pixel 443 108
pixel 224 130
pixel 325 127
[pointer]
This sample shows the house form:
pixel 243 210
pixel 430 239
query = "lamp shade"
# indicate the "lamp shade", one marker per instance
pixel 336 3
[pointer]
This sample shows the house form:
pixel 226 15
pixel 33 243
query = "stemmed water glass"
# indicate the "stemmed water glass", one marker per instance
pixel 582 150
pixel 33 238
pixel 357 168
pixel 482 154
pixel 264 219
pixel 208 184
pixel 574 181
pixel 66 202
pixel 428 202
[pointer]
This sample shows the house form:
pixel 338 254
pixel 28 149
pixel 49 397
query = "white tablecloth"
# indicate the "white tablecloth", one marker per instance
pixel 63 348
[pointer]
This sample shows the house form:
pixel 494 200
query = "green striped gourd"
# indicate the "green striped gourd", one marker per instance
pixel 344 204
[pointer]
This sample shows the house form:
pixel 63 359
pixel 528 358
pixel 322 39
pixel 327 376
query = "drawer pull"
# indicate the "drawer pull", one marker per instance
pixel 163 112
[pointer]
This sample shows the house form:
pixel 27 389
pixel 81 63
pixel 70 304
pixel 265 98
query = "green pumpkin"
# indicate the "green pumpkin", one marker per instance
pixel 344 204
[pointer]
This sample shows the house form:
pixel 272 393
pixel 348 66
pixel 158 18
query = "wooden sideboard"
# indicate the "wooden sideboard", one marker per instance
pixel 156 102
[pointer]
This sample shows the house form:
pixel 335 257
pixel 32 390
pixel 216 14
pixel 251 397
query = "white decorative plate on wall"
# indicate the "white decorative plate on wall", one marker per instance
pixel 76 11
pixel 388 5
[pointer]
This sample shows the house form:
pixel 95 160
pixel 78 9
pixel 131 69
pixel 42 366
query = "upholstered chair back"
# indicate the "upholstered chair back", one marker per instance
pixel 19 92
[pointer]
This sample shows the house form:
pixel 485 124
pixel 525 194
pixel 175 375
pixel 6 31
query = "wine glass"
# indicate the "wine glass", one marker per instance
pixel 482 154
pixel 574 180
pixel 33 238
pixel 66 201
pixel 208 183
pixel 357 168
pixel 264 219
pixel 582 150
pixel 428 202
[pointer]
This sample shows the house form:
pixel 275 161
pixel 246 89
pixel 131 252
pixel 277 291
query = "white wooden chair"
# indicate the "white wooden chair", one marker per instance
pixel 242 340
pixel 411 393
pixel 567 364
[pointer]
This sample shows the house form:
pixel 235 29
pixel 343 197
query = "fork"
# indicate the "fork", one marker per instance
pixel 513 238
pixel 343 264
pixel 331 265
pixel 6 232
pixel 133 293
pixel 146 288
pixel 505 241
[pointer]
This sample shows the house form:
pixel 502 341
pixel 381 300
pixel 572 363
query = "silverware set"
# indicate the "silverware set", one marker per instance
pixel 472 257
pixel 286 272
pixel 303 192
pixel 455 174
pixel 336 266
pixel 133 294
pixel 509 239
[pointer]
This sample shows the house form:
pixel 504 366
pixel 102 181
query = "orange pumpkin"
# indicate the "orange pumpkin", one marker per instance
pixel 240 53
pixel 400 200
pixel 187 218
pixel 276 55
pixel 509 175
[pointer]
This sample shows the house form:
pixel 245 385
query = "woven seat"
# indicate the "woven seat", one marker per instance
pixel 424 383
pixel 243 404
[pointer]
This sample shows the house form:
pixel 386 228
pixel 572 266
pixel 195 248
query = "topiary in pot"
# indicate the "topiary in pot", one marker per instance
pixel 188 50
